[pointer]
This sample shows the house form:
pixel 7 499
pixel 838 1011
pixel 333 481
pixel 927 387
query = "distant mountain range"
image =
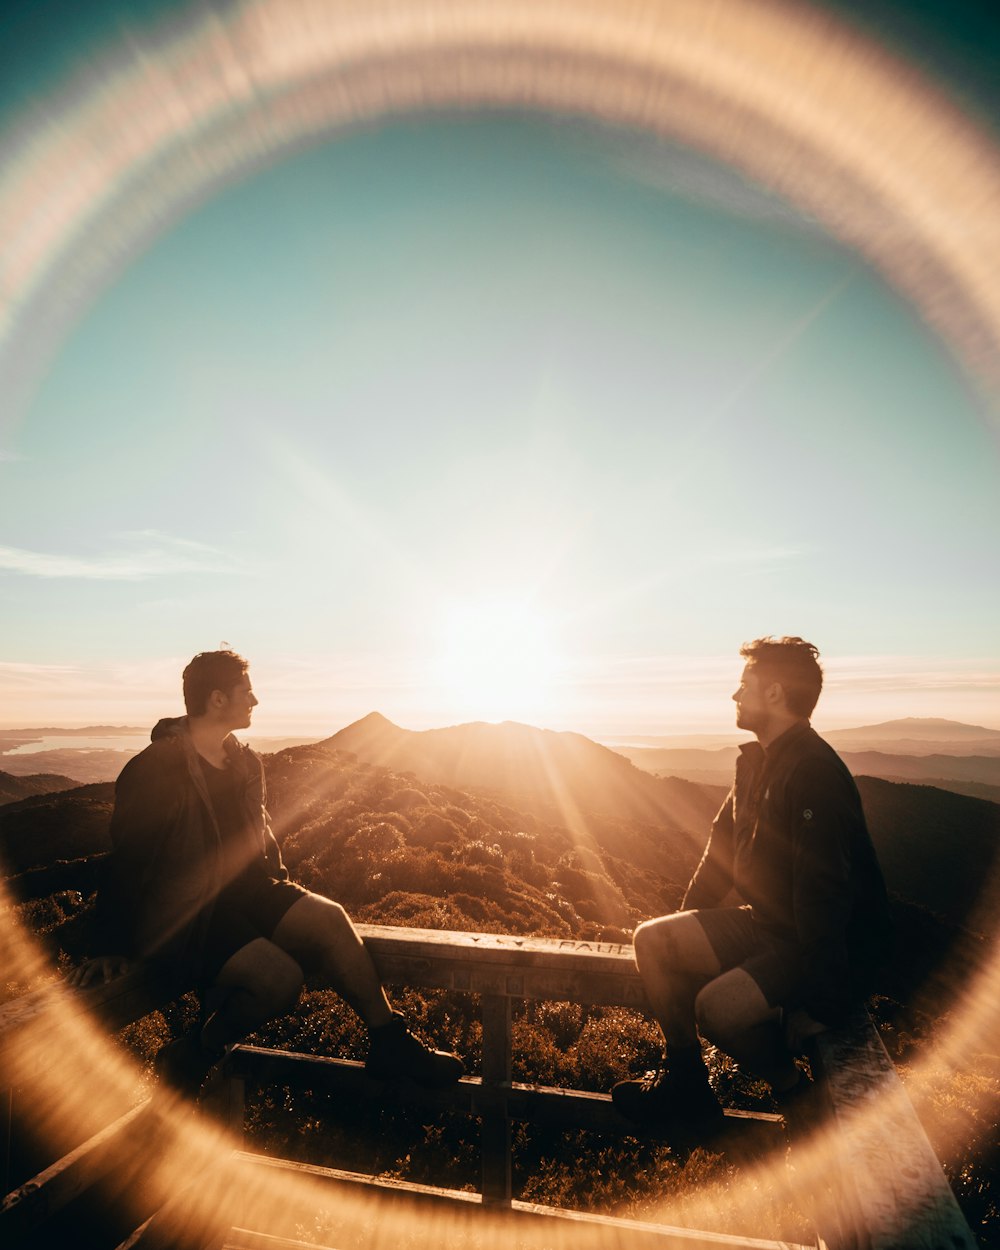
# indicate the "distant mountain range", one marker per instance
pixel 918 735
pixel 602 801
pixel 571 776
pixel 937 846
pixel 962 758
pixel 55 731
pixel 13 788
pixel 912 735
pixel 88 764
pixel 407 826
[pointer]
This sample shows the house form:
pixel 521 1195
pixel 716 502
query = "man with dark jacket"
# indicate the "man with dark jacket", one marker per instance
pixel 195 885
pixel 758 973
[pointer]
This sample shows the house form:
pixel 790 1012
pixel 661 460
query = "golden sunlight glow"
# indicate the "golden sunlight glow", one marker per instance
pixel 496 661
pixel 809 108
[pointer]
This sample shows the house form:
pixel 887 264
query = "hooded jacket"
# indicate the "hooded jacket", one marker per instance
pixel 791 838
pixel 165 870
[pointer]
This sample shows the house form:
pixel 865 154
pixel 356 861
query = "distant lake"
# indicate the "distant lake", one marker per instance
pixel 68 742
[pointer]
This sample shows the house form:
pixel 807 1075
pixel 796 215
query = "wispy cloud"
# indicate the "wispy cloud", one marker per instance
pixel 878 673
pixel 145 554
pixel 28 674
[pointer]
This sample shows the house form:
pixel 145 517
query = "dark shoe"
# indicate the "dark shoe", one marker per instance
pixel 799 1106
pixel 394 1052
pixel 182 1065
pixel 664 1100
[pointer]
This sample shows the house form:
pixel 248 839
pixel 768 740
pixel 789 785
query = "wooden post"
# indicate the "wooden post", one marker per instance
pixel 6 1135
pixel 227 1100
pixel 496 1087
pixel 236 1106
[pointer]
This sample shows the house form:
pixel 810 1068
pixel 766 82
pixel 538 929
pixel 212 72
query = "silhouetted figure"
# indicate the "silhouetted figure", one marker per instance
pixel 786 916
pixel 195 884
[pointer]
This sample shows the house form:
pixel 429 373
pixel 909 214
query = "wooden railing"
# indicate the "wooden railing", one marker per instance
pixel 886 1190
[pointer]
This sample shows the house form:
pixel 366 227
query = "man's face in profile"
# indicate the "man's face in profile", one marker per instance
pixel 751 710
pixel 240 703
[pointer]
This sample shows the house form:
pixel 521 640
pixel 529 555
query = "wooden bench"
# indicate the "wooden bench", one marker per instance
pixel 868 1171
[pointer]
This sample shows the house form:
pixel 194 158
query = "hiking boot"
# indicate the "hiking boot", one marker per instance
pixel 394 1052
pixel 665 1099
pixel 182 1065
pixel 799 1106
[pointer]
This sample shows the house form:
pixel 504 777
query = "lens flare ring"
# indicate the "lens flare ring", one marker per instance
pixel 794 98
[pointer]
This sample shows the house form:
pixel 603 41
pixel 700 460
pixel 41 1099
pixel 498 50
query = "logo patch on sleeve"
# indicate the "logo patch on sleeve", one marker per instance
pixel 807 814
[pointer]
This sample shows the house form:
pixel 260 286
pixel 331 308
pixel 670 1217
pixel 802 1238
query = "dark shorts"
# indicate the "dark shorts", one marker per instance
pixel 740 942
pixel 244 911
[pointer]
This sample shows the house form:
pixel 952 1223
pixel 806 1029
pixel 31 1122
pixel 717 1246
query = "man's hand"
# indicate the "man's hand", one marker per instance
pixel 107 967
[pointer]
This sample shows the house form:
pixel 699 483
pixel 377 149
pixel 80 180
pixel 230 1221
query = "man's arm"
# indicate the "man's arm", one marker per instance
pixel 272 852
pixel 713 878
pixel 824 810
pixel 139 825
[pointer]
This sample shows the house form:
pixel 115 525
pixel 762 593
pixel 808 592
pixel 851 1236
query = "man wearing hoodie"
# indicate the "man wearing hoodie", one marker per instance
pixel 195 885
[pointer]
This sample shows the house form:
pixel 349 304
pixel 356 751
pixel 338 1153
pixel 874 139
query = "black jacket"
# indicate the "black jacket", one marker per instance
pixel 791 838
pixel 165 868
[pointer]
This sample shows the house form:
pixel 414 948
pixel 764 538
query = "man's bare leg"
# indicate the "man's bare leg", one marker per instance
pixel 317 932
pixel 675 960
pixel 257 983
pixel 732 1012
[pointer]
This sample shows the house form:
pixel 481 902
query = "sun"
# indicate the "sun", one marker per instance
pixel 497 661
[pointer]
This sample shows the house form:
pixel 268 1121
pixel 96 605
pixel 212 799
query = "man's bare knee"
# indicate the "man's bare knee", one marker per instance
pixel 311 924
pixel 284 985
pixel 266 972
pixel 728 1006
pixel 645 940
pixel 715 1023
pixel 675 943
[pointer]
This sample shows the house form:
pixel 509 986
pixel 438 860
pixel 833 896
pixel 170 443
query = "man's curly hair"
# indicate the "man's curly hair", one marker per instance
pixel 792 662
pixel 208 671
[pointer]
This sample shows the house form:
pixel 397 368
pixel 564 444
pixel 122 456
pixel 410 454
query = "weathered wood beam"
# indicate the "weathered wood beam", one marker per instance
pixel 893 1194
pixel 26 1208
pixel 538 1104
pixel 555 969
pixel 589 1232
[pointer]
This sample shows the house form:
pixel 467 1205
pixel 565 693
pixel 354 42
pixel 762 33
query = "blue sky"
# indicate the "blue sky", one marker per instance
pixel 497 416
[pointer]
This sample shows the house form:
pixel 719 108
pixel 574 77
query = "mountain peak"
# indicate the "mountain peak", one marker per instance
pixel 373 720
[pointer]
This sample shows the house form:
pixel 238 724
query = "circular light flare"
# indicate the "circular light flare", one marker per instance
pixel 788 94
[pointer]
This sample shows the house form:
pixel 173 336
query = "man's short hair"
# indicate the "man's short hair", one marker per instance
pixel 208 671
pixel 794 663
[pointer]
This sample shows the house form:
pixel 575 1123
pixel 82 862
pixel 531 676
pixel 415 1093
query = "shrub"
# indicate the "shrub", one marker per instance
pixel 433 828
pixel 375 841
pixel 407 799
